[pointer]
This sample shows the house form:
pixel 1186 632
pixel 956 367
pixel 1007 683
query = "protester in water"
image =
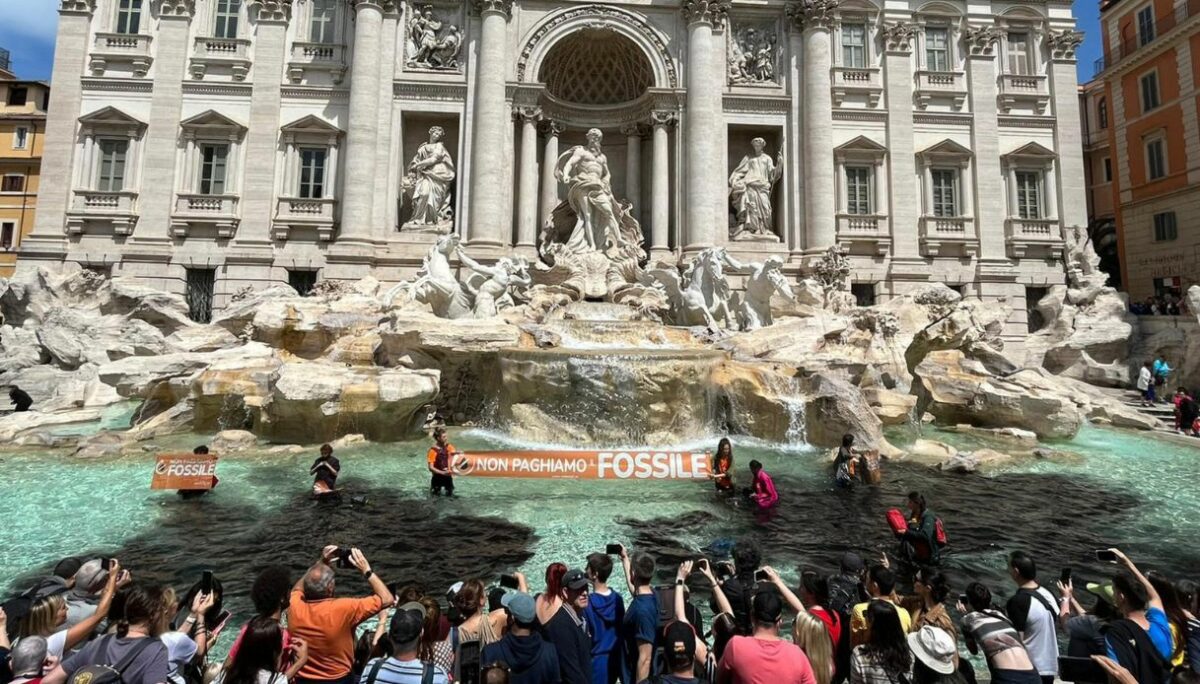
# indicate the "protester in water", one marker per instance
pixel 20 399
pixel 1141 640
pixel 441 459
pixel 201 450
pixel 763 493
pixel 721 472
pixel 843 464
pixel 325 471
pixel 986 628
pixel 605 613
pixel 919 543
pixel 1032 612
pixel 884 657
pixel 1145 383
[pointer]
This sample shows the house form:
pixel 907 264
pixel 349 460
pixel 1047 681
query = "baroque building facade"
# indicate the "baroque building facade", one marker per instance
pixel 206 145
pixel 22 125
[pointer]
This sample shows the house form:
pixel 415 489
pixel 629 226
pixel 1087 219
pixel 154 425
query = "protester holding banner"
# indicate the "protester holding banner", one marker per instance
pixel 201 450
pixel 441 459
pixel 325 471
pixel 722 467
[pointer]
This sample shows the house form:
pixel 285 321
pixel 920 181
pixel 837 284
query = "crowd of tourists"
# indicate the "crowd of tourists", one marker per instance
pixel 93 621
pixel 1167 304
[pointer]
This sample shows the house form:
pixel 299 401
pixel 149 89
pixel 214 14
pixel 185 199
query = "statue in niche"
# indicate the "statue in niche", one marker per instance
pixel 750 187
pixel 753 54
pixel 427 182
pixel 764 279
pixel 431 43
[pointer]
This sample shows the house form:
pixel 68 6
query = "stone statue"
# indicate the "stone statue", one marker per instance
pixel 584 169
pixel 497 287
pixel 750 187
pixel 764 280
pixel 488 290
pixel 752 55
pixel 430 175
pixel 431 43
pixel 701 296
pixel 436 284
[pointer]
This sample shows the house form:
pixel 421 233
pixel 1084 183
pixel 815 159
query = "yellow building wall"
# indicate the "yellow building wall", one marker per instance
pixel 19 208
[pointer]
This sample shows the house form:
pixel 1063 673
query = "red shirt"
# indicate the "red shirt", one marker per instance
pixel 758 661
pixel 833 624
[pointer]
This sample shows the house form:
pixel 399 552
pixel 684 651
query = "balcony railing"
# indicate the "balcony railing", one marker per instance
pixel 296 212
pixel 206 205
pixel 1163 24
pixel 233 53
pixel 1029 89
pixel 130 48
pixel 939 231
pixel 319 56
pixel 118 209
pixel 942 85
pixel 867 80
pixel 864 229
pixel 1023 235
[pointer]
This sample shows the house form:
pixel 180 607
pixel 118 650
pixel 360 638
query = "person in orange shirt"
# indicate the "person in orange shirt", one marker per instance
pixel 441 463
pixel 326 624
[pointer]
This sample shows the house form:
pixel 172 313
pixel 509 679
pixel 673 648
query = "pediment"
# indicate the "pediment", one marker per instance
pixel 861 144
pixel 1032 151
pixel 109 116
pixel 312 124
pixel 212 119
pixel 946 148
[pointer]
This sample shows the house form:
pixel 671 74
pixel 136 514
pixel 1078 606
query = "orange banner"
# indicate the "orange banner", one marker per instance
pixel 585 465
pixel 184 471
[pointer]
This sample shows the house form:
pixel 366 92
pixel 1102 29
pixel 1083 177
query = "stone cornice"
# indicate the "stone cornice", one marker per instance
pixel 898 36
pixel 859 115
pixel 757 105
pixel 812 14
pixel 309 93
pixel 272 11
pixel 713 12
pixel 943 119
pixel 1063 44
pixel 178 9
pixel 1025 121
pixel 980 41
pixel 77 7
pixel 482 7
pixel 117 85
pixel 440 92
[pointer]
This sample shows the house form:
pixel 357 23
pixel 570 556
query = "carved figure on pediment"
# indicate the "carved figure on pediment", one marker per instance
pixel 750 187
pixel 428 182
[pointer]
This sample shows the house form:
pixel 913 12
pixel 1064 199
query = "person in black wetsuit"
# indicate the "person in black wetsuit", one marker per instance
pixel 325 472
pixel 20 399
pixel 201 450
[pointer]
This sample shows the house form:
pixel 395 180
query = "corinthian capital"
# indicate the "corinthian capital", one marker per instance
pixel 705 11
pixel 273 10
pixel 177 8
pixel 1063 44
pixel 806 14
pixel 663 118
pixel 898 36
pixel 481 7
pixel 77 7
pixel 527 113
pixel 980 41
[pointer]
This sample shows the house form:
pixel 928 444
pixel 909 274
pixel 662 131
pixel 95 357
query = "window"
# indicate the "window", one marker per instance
pixel 6 235
pixel 1145 24
pixel 112 165
pixel 1156 159
pixel 201 286
pixel 214 162
pixel 854 46
pixel 12 184
pixel 1033 295
pixel 864 293
pixel 302 281
pixel 945 192
pixel 1150 91
pixel 1029 194
pixel 1107 170
pixel 858 190
pixel 1019 56
pixel 312 172
pixel 1164 227
pixel 322 24
pixel 129 16
pixel 20 138
pixel 226 25
pixel 18 96
pixel 937 49
pixel 1102 112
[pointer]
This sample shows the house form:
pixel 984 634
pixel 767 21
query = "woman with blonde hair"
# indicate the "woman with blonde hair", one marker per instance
pixel 811 635
pixel 48 615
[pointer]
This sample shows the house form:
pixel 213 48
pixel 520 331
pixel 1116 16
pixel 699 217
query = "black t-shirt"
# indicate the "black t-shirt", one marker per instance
pixel 323 475
pixel 574 646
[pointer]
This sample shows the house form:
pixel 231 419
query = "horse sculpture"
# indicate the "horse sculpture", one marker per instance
pixel 701 295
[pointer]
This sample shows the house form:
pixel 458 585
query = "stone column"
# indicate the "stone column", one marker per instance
pixel 527 197
pixel 549 197
pixel 258 188
pixel 660 184
pixel 1050 204
pixel 814 17
pixel 1067 139
pixel 704 172
pixel 906 206
pixel 633 167
pixel 363 130
pixel 489 126
pixel 384 218
pixel 989 209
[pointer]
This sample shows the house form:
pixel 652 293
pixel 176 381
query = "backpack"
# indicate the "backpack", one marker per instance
pixel 426 672
pixel 939 534
pixel 109 673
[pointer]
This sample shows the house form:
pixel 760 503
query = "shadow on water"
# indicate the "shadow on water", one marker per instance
pixel 406 541
pixel 1059 520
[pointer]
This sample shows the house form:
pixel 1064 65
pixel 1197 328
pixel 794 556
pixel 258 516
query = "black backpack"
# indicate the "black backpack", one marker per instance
pixel 113 673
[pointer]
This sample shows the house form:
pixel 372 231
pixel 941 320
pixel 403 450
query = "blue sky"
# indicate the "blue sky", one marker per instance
pixel 27 31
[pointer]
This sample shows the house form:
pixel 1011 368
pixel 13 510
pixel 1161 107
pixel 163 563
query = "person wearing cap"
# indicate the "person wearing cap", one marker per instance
pixel 846 590
pixel 639 631
pixel 1085 629
pixel 84 596
pixel 530 659
pixel 765 657
pixel 935 653
pixel 568 630
pixel 404 666
pixel 679 654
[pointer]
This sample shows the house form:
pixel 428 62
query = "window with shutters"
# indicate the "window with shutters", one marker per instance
pixel 12 183
pixel 1029 194
pixel 312 172
pixel 129 16
pixel 937 48
pixel 214 165
pixel 854 46
pixel 945 192
pixel 1156 159
pixel 226 24
pixel 1020 59
pixel 858 190
pixel 20 138
pixel 113 155
pixel 1164 227
pixel 1145 24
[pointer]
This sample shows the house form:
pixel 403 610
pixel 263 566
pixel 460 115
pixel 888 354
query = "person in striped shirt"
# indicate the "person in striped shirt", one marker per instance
pixel 405 666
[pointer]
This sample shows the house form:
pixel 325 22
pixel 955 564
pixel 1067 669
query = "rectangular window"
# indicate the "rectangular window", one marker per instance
pixel 112 165
pixel 1033 295
pixel 12 184
pixel 1019 58
pixel 1164 227
pixel 18 96
pixel 312 172
pixel 6 235
pixel 214 163
pixel 20 138
pixel 945 192
pixel 937 49
pixel 226 25
pixel 864 293
pixel 854 46
pixel 1102 112
pixel 322 23
pixel 1029 194
pixel 1107 170
pixel 858 190
pixel 1145 24
pixel 1150 91
pixel 1156 159
pixel 129 16
pixel 302 281
pixel 201 286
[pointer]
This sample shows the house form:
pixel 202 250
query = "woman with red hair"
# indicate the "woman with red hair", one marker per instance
pixel 549 601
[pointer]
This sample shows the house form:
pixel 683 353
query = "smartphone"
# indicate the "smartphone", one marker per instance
pixel 509 582
pixel 343 557
pixel 1065 577
pixel 702 565
pixel 468 655
pixel 1080 670
pixel 222 618
pixel 724 570
pixel 206 582
pixel 761 576
pixel 1106 556
pixel 105 564
pixel 962 598
pixel 613 549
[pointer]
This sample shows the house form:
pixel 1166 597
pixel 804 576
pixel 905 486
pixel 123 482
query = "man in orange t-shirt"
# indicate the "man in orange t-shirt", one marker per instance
pixel 327 624
pixel 441 463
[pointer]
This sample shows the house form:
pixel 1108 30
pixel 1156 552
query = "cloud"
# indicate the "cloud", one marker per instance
pixel 33 19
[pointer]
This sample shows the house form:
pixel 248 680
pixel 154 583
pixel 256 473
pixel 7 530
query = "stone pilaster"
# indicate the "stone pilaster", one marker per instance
pixel 489 127
pixel 258 186
pixel 384 218
pixel 905 210
pixel 704 186
pixel 814 18
pixel 527 197
pixel 361 138
pixel 549 197
pixel 633 166
pixel 1067 139
pixel 988 188
pixel 660 183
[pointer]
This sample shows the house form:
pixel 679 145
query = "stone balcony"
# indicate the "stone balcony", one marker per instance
pixel 944 236
pixel 219 212
pixel 232 54
pixel 295 213
pixel 1033 238
pixel 949 87
pixel 1023 90
pixel 317 57
pixel 866 230
pixel 121 48
pixel 864 84
pixel 94 207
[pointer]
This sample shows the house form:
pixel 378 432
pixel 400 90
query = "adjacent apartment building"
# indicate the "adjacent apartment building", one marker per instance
pixel 1142 143
pixel 22 125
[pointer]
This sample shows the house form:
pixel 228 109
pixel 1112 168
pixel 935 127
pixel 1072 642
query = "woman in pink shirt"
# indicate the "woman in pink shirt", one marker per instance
pixel 764 493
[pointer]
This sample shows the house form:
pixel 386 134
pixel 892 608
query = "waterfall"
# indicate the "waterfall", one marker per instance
pixel 797 431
